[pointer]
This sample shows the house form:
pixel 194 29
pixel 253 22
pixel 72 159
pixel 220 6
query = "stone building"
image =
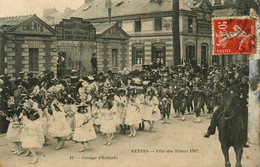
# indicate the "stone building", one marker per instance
pixel 112 47
pixel 26 44
pixel 79 40
pixel 149 25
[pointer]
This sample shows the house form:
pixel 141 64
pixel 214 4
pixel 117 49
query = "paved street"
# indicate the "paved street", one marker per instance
pixel 179 144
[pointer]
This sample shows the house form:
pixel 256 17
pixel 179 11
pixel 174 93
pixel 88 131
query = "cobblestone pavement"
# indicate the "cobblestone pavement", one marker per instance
pixel 179 144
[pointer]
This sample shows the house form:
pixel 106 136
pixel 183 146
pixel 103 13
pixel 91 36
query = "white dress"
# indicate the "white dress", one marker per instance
pixel 141 103
pixel 133 115
pixel 32 134
pixel 120 104
pixel 151 111
pixel 116 114
pixel 44 115
pixel 84 132
pixel 69 110
pixel 107 125
pixel 59 126
pixel 97 115
pixel 14 132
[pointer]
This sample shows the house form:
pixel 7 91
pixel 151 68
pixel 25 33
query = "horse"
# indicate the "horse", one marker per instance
pixel 231 128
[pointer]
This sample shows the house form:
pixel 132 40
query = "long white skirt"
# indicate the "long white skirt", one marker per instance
pixel 84 133
pixel 151 113
pixel 108 126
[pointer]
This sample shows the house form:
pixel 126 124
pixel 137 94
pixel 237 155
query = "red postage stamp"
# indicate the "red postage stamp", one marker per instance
pixel 234 36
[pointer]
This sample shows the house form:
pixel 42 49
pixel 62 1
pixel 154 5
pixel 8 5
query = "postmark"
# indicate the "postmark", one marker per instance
pixel 234 35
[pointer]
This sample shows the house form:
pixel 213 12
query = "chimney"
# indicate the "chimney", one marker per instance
pixel 108 5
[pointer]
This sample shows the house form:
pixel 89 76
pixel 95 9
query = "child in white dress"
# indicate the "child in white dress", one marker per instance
pixel 141 104
pixel 59 127
pixel 32 134
pixel 108 125
pixel 151 112
pixel 84 130
pixel 133 116
pixel 14 134
pixel 95 112
pixel 69 109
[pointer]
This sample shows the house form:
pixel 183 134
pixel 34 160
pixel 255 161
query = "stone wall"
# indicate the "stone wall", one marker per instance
pixel 104 54
pixel 17 52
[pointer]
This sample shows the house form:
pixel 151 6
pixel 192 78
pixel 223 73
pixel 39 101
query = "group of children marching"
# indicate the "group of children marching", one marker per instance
pixel 32 123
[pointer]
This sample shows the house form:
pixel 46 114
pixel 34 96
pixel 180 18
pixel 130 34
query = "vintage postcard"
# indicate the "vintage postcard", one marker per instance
pixel 129 83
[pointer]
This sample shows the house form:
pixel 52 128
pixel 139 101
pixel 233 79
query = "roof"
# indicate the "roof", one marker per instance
pixel 13 20
pixel 96 8
pixel 101 28
pixel 13 23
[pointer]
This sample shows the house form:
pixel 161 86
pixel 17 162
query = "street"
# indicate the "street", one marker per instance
pixel 179 144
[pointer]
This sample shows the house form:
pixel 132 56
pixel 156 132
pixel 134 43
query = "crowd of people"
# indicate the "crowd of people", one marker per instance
pixel 73 108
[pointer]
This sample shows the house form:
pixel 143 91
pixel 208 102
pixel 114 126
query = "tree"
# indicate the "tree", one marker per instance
pixel 176 33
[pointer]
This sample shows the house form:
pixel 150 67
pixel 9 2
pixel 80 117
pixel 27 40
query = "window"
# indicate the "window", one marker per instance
pixel 114 58
pixel 158 24
pixel 33 59
pixel 139 57
pixel 190 25
pixel 190 53
pixel 204 53
pixel 158 53
pixel 138 26
pixel 138 54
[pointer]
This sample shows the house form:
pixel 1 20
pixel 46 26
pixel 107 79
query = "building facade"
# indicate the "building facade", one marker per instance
pixel 112 48
pixel 79 40
pixel 27 44
pixel 149 25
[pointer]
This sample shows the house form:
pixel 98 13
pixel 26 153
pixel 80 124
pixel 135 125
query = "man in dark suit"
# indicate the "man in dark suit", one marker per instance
pixel 94 63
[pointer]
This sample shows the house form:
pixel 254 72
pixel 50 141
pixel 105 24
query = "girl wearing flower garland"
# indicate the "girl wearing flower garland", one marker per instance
pixel 108 125
pixel 152 112
pixel 69 109
pixel 32 134
pixel 59 127
pixel 84 130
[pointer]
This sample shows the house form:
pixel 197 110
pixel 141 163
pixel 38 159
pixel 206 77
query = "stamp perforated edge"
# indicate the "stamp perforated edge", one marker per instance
pixel 257 21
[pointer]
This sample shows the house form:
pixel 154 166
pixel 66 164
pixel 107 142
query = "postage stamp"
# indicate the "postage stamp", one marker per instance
pixel 234 35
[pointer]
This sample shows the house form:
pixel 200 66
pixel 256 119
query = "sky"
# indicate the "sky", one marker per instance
pixel 25 7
